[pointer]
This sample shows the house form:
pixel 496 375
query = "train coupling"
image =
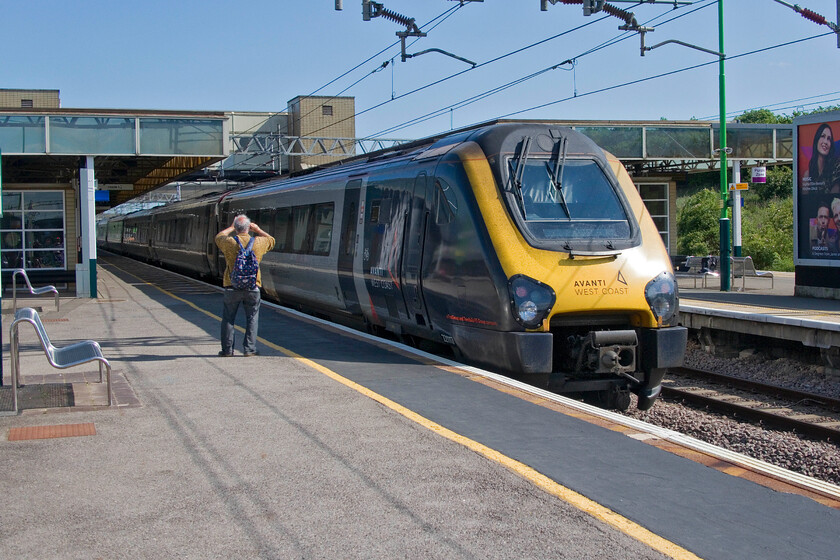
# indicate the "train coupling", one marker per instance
pixel 608 352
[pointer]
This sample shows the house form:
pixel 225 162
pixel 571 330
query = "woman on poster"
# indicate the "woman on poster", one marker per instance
pixel 822 165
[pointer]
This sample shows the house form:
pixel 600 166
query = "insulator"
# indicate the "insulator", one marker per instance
pixel 813 16
pixel 618 12
pixel 395 17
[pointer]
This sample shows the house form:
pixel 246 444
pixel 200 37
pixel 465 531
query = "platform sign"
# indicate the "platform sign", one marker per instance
pixel 759 174
pixel 816 168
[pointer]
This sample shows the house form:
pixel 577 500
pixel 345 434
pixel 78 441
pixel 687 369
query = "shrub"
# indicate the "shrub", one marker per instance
pixel 698 231
pixel 766 228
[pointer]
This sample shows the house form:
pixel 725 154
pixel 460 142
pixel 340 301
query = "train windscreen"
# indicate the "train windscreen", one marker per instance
pixel 569 200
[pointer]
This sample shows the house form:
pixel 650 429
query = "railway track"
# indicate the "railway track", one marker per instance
pixel 808 414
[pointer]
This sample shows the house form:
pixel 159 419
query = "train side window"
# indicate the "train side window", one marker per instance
pixel 446 206
pixel 301 236
pixel 384 216
pixel 265 219
pixel 324 214
pixel 349 230
pixel 281 230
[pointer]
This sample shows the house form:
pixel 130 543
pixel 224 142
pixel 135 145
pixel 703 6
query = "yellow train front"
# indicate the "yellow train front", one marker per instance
pixel 559 268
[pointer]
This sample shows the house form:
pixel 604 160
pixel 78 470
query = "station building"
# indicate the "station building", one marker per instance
pixel 61 167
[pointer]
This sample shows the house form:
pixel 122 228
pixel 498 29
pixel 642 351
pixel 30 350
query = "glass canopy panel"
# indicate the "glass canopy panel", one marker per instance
pixel 620 141
pixel 747 143
pixel 750 143
pixel 678 143
pixel 197 137
pixel 91 135
pixel 21 134
pixel 784 143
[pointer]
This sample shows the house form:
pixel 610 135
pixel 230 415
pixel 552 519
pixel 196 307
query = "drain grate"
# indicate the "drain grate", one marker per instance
pixel 47 395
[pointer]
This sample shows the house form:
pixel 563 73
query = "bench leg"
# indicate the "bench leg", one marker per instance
pixel 108 377
pixel 15 366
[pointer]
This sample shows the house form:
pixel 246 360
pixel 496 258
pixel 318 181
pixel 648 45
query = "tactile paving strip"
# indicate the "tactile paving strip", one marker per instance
pixel 57 431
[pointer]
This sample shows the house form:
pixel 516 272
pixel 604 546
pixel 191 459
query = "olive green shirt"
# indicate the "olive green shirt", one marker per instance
pixel 227 245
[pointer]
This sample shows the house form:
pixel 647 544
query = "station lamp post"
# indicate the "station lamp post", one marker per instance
pixel 724 183
pixel 723 150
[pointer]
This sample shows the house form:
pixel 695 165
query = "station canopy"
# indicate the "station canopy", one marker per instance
pixel 661 147
pixel 134 151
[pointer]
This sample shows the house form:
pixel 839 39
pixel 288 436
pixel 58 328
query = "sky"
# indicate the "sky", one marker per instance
pixel 256 55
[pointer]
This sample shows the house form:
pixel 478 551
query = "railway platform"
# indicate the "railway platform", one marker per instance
pixel 334 444
pixel 763 311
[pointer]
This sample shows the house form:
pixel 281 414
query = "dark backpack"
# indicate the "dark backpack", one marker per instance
pixel 245 268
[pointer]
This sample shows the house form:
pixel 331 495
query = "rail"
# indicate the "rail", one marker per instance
pixel 73 355
pixel 34 291
pixel 762 407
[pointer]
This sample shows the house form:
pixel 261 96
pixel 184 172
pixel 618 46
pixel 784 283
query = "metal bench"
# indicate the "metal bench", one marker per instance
pixel 61 358
pixel 697 268
pixel 743 268
pixel 34 291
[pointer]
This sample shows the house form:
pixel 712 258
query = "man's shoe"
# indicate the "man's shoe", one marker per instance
pixel 248 354
pixel 224 354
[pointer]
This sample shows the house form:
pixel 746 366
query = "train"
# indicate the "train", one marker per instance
pixel 522 247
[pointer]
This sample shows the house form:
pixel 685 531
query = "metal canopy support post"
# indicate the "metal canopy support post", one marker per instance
pixel 631 25
pixel 86 270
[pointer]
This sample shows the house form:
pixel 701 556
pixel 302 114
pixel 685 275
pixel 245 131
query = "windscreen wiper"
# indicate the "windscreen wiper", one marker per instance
pixel 515 174
pixel 556 176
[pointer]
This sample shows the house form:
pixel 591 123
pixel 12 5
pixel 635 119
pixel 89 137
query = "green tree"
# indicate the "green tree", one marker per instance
pixel 766 116
pixel 762 116
pixel 697 224
pixel 767 233
pixel 779 183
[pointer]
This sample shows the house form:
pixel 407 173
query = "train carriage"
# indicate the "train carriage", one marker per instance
pixel 523 246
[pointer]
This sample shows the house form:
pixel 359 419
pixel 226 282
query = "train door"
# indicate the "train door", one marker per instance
pixel 222 210
pixel 348 244
pixel 413 248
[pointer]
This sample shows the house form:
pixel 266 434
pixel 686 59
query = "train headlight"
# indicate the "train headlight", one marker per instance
pixel 530 300
pixel 661 295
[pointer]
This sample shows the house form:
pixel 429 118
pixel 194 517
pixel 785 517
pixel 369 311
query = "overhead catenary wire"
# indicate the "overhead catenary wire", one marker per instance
pixel 662 75
pixel 445 15
pixel 622 37
pixel 572 61
pixel 462 72
pixel 789 104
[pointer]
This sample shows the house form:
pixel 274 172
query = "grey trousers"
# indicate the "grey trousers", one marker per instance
pixel 250 300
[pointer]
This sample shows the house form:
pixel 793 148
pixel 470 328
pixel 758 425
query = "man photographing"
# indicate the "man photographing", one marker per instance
pixel 249 296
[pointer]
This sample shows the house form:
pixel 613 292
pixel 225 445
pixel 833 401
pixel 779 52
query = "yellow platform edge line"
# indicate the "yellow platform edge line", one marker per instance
pixel 579 501
pixel 575 499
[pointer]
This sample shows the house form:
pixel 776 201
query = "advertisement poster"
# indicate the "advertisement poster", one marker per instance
pixel 818 189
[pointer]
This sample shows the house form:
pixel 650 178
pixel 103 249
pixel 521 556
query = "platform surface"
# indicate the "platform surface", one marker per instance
pixel 332 445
